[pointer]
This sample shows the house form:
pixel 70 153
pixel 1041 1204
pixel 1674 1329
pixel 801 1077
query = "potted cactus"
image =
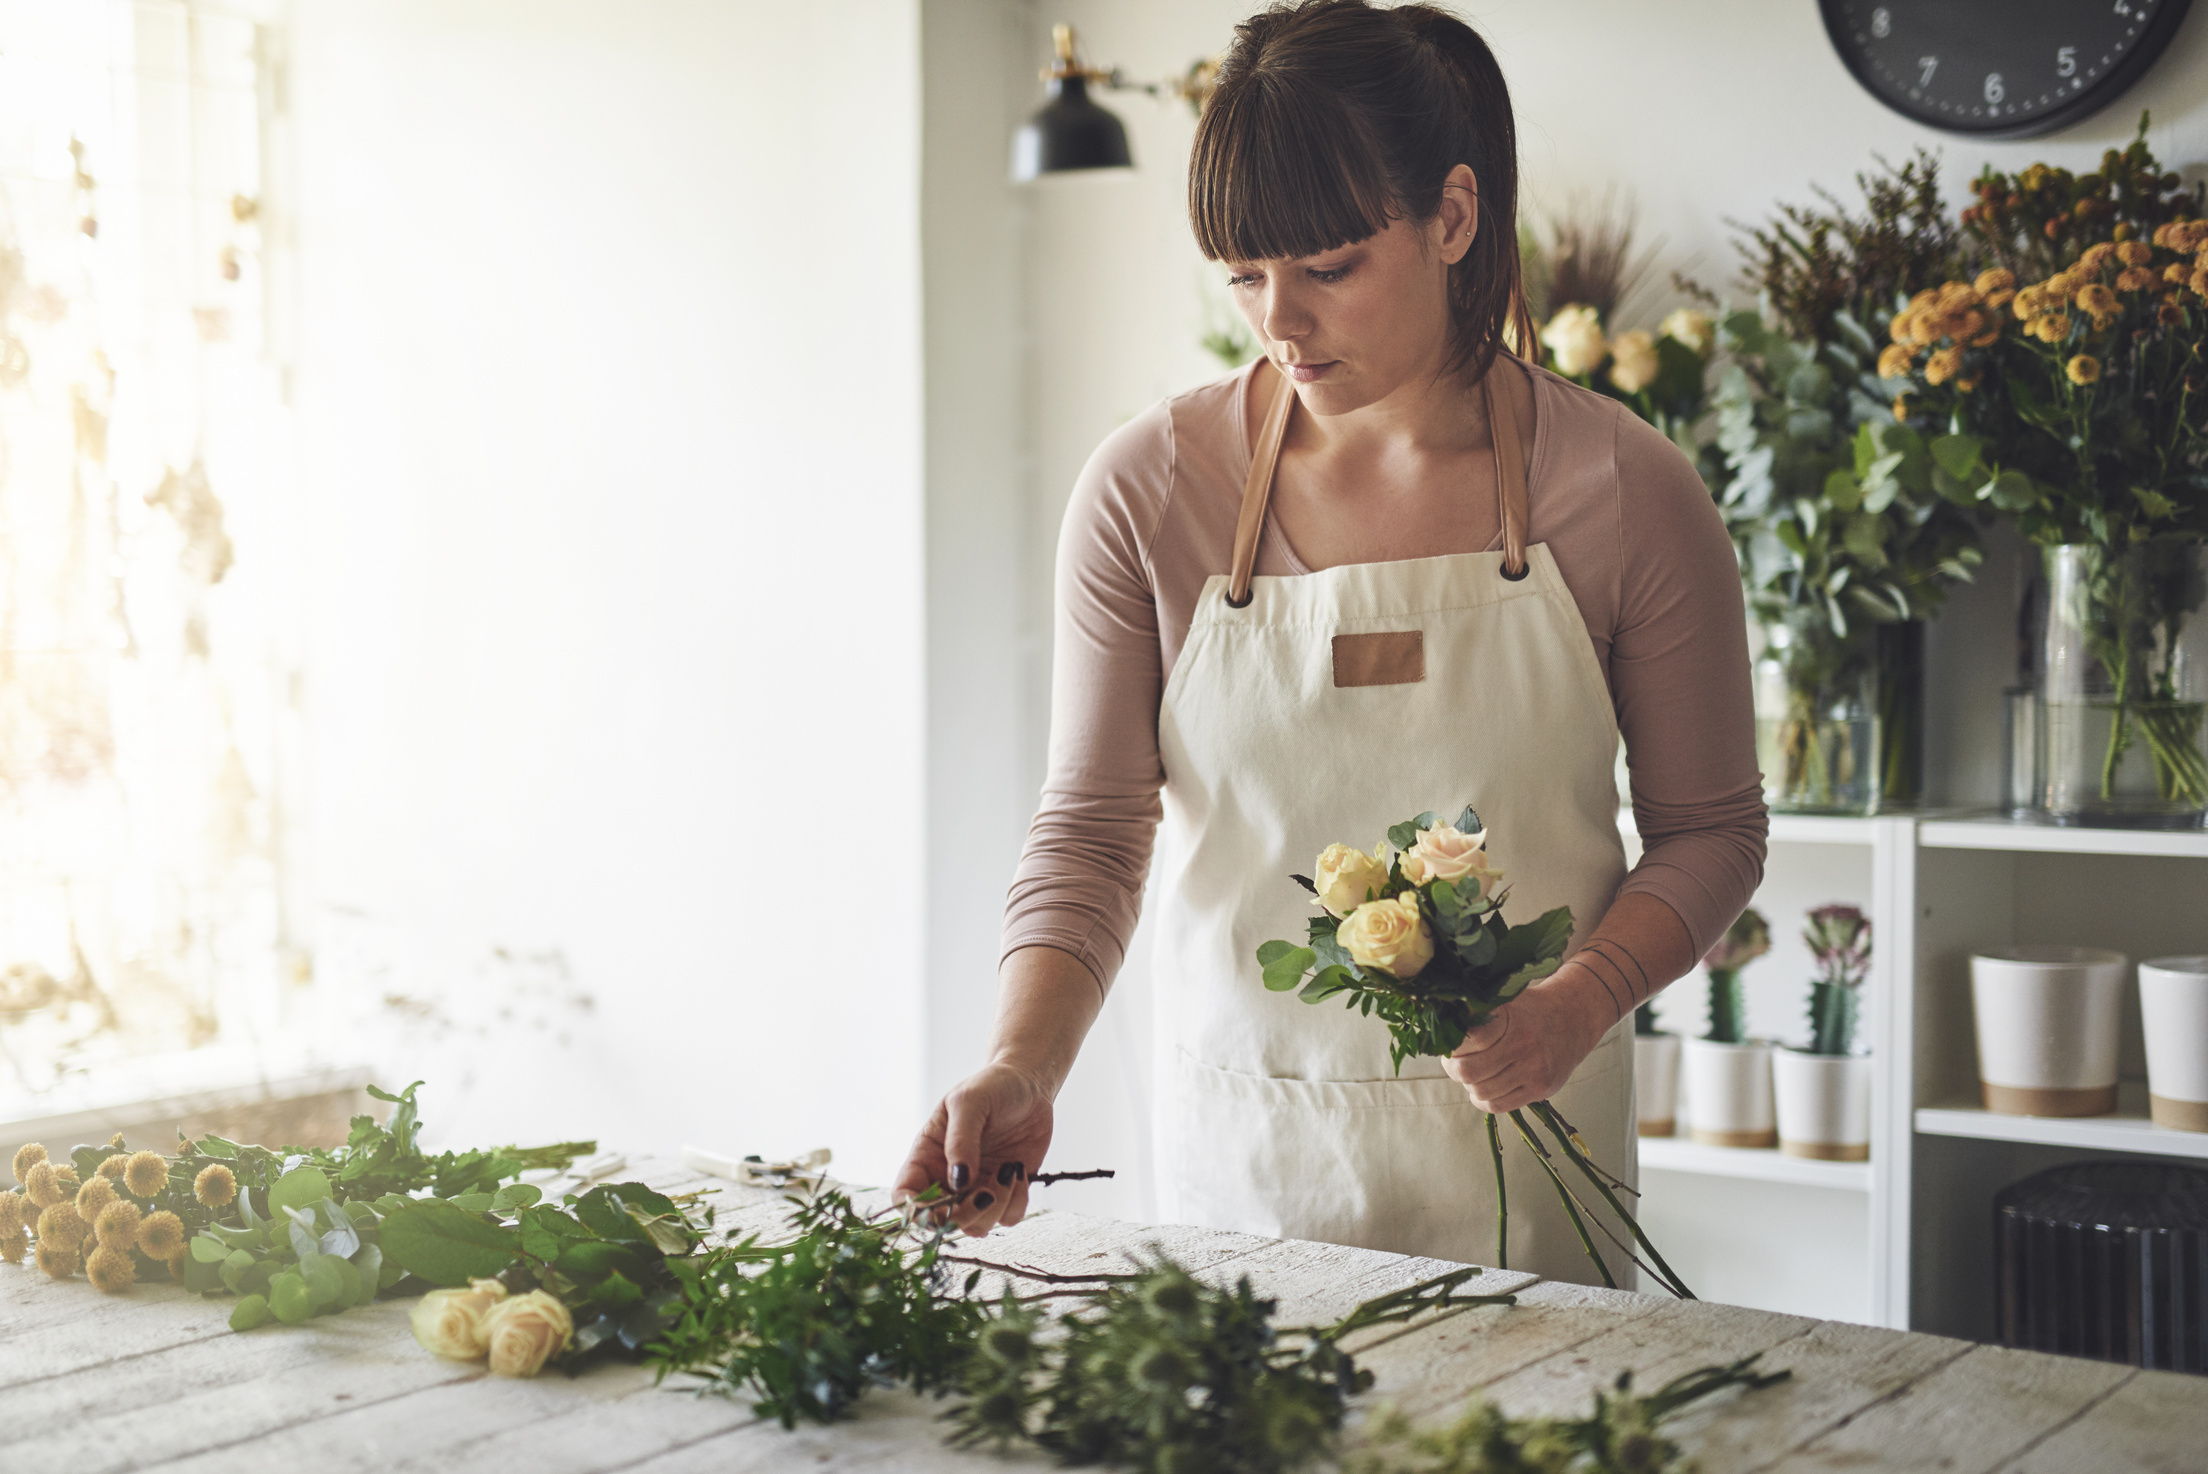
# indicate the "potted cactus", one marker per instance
pixel 1728 1074
pixel 1824 1090
pixel 1655 1075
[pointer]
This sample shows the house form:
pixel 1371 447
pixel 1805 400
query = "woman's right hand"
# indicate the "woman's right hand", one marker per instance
pixel 983 1140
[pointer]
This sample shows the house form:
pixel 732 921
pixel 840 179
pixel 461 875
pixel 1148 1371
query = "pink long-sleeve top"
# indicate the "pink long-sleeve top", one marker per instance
pixel 1639 544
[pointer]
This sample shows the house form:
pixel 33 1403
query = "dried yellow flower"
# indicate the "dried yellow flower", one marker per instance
pixel 1894 361
pixel 118 1223
pixel 56 1260
pixel 11 1213
pixel 2135 253
pixel 2083 369
pixel 1966 385
pixel 2176 272
pixel 161 1236
pixel 61 1225
pixel 2134 279
pixel 215 1185
pixel 112 1168
pixel 2098 300
pixel 146 1174
pixel 2052 328
pixel 27 1156
pixel 1999 279
pixel 2000 299
pixel 1898 329
pixel 12 1246
pixel 110 1269
pixel 2200 281
pixel 1943 365
pixel 1901 406
pixel 2169 314
pixel 2096 257
pixel 93 1198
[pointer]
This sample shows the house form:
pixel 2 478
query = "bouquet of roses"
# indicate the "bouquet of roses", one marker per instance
pixel 1418 939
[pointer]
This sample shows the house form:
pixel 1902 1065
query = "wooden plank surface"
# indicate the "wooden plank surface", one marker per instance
pixel 101 1385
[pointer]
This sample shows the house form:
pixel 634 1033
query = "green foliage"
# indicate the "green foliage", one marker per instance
pixel 2041 219
pixel 1165 1373
pixel 806 1327
pixel 1831 1018
pixel 1748 938
pixel 1622 1435
pixel 1728 1007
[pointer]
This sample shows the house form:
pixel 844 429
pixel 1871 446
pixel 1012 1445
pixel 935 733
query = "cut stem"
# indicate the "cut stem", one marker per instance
pixel 1571 1208
pixel 1502 1195
pixel 1553 1121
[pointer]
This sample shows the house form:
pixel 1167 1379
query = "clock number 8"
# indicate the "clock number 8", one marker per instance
pixel 1882 23
pixel 1994 90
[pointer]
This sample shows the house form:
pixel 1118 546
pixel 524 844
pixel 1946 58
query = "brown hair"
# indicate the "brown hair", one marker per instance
pixel 1333 117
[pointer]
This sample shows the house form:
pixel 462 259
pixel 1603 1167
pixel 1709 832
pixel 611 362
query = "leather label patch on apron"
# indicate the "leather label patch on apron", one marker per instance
pixel 1383 658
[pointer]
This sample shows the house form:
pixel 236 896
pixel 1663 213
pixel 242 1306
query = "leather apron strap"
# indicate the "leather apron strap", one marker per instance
pixel 1510 476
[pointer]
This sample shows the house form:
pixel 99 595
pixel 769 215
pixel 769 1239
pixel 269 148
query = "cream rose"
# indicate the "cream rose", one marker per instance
pixel 1691 328
pixel 1633 361
pixel 1388 935
pixel 1446 852
pixel 525 1332
pixel 1574 335
pixel 451 1322
pixel 1346 876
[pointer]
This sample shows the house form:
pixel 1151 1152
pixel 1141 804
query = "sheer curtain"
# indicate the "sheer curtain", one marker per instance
pixel 142 536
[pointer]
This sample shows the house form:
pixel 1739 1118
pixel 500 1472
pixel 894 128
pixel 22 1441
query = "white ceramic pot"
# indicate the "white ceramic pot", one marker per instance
pixel 2047 1029
pixel 1729 1093
pixel 2173 1005
pixel 1656 1082
pixel 1824 1104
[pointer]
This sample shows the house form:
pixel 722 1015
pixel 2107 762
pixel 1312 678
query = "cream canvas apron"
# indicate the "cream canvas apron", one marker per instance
pixel 1283 732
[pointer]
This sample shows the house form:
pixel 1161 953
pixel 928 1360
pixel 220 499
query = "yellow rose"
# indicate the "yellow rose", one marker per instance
pixel 1347 876
pixel 1446 852
pixel 1633 361
pixel 452 1322
pixel 1691 328
pixel 1574 335
pixel 1390 936
pixel 525 1332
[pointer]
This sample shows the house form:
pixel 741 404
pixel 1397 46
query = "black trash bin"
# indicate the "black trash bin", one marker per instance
pixel 2107 1260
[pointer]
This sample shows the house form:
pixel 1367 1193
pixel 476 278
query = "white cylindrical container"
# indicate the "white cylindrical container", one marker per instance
pixel 1656 1082
pixel 2173 1005
pixel 2047 1020
pixel 1824 1104
pixel 1729 1093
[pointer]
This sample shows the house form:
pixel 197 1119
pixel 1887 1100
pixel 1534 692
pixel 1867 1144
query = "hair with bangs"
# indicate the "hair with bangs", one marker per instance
pixel 1333 117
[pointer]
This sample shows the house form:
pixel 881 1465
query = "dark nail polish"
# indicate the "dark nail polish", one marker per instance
pixel 960 1176
pixel 1008 1174
pixel 983 1200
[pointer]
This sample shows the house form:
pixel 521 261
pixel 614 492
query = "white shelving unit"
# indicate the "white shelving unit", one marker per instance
pixel 1941 886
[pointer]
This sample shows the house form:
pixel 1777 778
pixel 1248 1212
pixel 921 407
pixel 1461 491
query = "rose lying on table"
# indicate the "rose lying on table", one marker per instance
pixel 1419 940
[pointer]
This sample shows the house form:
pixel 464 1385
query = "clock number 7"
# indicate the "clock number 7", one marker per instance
pixel 1930 64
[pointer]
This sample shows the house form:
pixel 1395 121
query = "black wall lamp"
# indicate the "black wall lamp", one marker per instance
pixel 1071 132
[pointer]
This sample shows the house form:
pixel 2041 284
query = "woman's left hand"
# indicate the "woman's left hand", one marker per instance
pixel 1530 1047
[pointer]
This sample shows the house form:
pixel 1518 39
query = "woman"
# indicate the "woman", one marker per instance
pixel 1388 568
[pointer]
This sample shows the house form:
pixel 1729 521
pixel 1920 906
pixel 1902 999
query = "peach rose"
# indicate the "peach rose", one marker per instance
pixel 525 1332
pixel 1390 936
pixel 1446 852
pixel 1633 361
pixel 453 1322
pixel 1691 328
pixel 1346 876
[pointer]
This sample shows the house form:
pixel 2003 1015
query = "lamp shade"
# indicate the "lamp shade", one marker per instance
pixel 1069 132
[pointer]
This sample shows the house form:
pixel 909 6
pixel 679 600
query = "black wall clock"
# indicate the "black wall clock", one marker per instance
pixel 2000 68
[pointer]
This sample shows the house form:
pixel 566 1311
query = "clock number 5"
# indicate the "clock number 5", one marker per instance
pixel 1930 64
pixel 2066 62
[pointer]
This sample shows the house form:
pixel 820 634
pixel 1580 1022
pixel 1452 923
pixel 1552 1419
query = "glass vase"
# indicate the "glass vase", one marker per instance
pixel 2124 686
pixel 1816 722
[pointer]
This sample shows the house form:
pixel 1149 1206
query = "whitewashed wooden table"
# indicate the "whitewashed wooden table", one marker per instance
pixel 155 1379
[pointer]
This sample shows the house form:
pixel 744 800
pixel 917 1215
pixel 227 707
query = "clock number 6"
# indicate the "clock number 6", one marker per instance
pixel 1930 64
pixel 2066 62
pixel 1994 92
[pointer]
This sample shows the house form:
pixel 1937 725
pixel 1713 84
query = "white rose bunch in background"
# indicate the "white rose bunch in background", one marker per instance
pixel 1692 328
pixel 1633 361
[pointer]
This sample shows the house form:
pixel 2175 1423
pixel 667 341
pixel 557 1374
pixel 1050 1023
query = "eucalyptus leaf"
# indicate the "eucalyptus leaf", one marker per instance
pixel 1285 969
pixel 297 1188
pixel 209 1250
pixel 446 1245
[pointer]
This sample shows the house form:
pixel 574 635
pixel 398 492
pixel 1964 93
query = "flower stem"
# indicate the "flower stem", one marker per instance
pixel 1502 1197
pixel 1571 1208
pixel 1548 1116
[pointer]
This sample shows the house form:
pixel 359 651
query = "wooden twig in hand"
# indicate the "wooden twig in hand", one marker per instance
pixel 1042 1178
pixel 1025 1271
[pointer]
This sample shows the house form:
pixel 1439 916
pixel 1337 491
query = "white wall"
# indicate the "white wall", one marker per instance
pixel 1703 110
pixel 609 391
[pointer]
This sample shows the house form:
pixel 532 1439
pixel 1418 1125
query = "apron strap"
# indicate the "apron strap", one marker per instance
pixel 1257 492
